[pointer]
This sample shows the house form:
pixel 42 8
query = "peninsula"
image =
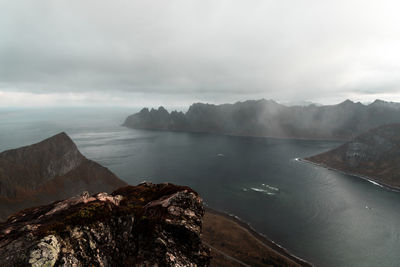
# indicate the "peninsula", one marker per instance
pixel 373 155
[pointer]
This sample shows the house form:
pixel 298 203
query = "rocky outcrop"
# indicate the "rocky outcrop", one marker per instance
pixel 374 155
pixel 268 118
pixel 47 171
pixel 144 225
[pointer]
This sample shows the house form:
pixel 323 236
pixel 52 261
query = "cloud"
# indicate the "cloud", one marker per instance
pixel 215 51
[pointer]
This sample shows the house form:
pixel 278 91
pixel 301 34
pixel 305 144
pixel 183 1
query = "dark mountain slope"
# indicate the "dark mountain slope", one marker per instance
pixel 374 154
pixel 49 170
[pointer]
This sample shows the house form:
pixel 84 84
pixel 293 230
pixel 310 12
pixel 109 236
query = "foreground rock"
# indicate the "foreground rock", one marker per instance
pixel 144 225
pixel 374 155
pixel 47 171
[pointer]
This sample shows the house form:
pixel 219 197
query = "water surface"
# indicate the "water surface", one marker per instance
pixel 328 218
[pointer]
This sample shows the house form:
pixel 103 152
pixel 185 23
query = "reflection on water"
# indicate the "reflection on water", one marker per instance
pixel 326 217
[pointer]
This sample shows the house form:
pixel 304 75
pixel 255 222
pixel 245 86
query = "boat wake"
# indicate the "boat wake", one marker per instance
pixel 264 189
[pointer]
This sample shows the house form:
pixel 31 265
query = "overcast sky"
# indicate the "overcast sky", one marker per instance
pixel 173 53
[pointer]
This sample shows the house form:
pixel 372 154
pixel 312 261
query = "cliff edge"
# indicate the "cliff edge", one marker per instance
pixel 144 225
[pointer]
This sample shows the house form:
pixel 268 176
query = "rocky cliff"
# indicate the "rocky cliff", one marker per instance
pixel 374 154
pixel 268 118
pixel 47 171
pixel 144 225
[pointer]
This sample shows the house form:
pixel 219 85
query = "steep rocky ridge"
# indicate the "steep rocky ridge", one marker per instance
pixel 374 155
pixel 47 171
pixel 144 225
pixel 268 118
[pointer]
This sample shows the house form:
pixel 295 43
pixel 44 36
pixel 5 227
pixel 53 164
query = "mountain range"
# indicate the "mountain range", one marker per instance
pixel 270 119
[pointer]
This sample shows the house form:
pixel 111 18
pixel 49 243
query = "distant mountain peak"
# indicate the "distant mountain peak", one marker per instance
pixel 379 101
pixel 61 135
pixel 59 138
pixel 386 104
pixel 347 102
pixel 48 170
pixel 57 147
pixel 31 166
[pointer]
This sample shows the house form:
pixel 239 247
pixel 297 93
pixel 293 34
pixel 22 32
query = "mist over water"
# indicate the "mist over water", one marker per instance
pixel 328 218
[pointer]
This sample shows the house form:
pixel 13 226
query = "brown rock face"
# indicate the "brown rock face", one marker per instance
pixel 47 171
pixel 31 166
pixel 144 225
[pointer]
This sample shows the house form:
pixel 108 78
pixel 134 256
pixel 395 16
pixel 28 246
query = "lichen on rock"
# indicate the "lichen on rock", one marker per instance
pixel 45 252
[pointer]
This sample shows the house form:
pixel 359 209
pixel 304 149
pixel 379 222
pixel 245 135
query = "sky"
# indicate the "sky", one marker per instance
pixel 176 52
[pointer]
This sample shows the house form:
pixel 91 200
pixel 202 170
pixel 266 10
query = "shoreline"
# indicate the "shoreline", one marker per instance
pixel 261 237
pixel 360 176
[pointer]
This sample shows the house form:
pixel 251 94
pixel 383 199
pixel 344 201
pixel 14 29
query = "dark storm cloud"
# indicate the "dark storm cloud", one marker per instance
pixel 200 50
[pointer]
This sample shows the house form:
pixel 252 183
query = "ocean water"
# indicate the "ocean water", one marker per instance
pixel 323 216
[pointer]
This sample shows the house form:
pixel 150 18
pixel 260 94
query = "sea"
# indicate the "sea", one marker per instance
pixel 323 216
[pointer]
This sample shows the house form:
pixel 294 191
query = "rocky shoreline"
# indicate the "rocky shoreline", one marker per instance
pixel 366 178
pixel 261 237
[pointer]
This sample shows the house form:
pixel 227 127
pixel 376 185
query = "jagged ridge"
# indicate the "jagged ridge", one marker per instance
pixel 268 118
